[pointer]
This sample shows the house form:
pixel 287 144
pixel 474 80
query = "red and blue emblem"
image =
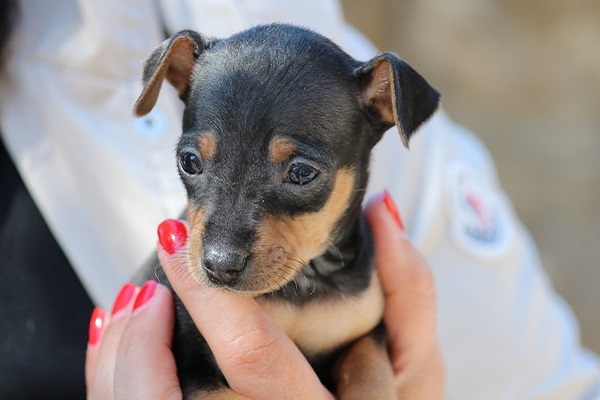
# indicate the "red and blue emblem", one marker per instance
pixel 478 222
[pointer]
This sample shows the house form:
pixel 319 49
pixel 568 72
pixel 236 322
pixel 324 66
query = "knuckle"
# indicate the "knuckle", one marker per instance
pixel 421 276
pixel 424 280
pixel 252 352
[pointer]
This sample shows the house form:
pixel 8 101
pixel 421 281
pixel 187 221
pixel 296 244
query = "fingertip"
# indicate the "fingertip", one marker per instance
pixel 98 321
pixel 382 214
pixel 145 295
pixel 387 227
pixel 392 210
pixel 400 266
pixel 123 298
pixel 150 293
pixel 177 271
pixel 97 325
pixel 374 205
pixel 144 360
pixel 172 235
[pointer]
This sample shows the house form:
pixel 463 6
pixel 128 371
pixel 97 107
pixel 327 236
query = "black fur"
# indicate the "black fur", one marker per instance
pixel 280 80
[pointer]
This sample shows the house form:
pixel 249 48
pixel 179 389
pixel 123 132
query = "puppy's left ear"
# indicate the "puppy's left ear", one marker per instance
pixel 397 94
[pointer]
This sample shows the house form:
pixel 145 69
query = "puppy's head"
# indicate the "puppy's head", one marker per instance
pixel 277 130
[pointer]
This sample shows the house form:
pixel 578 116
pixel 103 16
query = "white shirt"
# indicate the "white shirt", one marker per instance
pixel 103 181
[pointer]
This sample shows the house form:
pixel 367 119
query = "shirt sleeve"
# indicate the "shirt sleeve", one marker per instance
pixel 505 333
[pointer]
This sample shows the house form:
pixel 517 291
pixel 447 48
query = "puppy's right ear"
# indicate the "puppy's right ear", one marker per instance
pixel 174 59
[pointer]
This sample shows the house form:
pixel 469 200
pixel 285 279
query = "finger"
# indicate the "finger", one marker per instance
pixel 144 366
pixel 258 360
pixel 405 276
pixel 100 381
pixel 410 313
pixel 98 322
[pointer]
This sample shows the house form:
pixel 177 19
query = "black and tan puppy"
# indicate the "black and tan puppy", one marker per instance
pixel 278 127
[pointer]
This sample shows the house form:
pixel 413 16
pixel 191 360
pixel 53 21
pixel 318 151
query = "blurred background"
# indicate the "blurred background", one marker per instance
pixel 525 77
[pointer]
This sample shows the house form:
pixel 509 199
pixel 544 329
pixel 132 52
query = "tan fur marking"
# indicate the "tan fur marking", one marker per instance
pixel 196 222
pixel 221 394
pixel 281 149
pixel 207 145
pixel 284 245
pixel 365 372
pixel 307 235
pixel 325 325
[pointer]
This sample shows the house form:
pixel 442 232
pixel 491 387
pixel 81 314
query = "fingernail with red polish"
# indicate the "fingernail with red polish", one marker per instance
pixel 123 298
pixel 97 325
pixel 172 235
pixel 145 294
pixel 391 207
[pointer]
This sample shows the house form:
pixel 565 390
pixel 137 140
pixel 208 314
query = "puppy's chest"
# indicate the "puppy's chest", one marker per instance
pixel 326 324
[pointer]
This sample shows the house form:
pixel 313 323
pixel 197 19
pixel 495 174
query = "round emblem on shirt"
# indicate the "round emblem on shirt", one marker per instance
pixel 152 125
pixel 479 224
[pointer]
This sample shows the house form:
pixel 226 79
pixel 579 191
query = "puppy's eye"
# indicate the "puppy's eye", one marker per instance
pixel 302 174
pixel 190 163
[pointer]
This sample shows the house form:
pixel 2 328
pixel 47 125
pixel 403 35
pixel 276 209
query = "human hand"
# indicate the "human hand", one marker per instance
pixel 252 349
pixel 129 352
pixel 410 305
pixel 257 358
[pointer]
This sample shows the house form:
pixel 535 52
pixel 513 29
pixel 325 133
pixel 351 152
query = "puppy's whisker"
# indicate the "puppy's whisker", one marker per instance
pixel 296 285
pixel 299 261
pixel 156 275
pixel 338 251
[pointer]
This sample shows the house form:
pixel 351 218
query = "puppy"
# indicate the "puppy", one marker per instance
pixel 278 127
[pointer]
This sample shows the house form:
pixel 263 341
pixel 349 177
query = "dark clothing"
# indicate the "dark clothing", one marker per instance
pixel 44 310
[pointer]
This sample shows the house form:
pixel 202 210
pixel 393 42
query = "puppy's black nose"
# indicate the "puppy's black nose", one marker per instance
pixel 223 267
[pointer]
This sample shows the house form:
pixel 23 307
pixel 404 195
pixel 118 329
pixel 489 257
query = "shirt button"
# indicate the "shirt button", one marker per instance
pixel 151 125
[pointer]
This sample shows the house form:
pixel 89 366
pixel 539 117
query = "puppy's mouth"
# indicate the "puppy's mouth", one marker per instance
pixel 256 274
pixel 265 267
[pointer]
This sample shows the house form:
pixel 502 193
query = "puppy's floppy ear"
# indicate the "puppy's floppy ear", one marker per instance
pixel 397 94
pixel 174 59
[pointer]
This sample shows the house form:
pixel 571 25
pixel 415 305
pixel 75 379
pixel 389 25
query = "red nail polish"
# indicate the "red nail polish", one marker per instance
pixel 172 235
pixel 97 325
pixel 391 207
pixel 145 294
pixel 123 298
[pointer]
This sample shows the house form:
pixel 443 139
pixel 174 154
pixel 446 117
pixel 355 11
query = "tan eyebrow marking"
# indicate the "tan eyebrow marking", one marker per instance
pixel 281 149
pixel 207 145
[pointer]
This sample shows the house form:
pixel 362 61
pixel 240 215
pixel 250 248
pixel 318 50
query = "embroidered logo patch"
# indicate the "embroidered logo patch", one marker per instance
pixel 481 222
pixel 478 222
